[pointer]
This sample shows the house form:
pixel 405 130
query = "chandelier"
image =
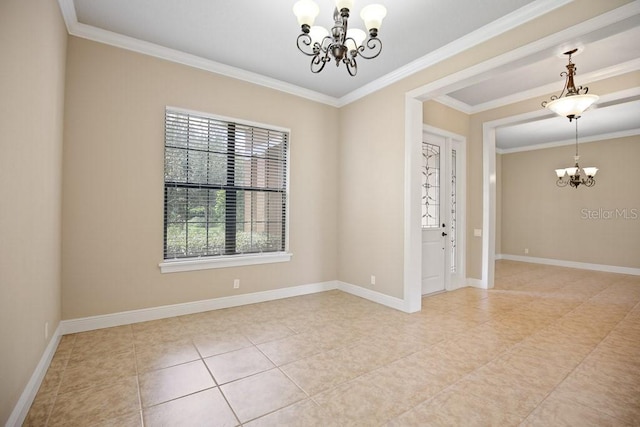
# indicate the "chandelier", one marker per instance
pixel 576 99
pixel 575 176
pixel 341 43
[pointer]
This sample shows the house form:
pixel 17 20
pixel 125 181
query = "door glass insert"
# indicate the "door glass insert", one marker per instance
pixel 453 230
pixel 430 185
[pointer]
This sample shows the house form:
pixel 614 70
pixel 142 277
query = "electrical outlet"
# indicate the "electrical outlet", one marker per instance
pixel 373 279
pixel 46 330
pixel 236 283
pixel 526 251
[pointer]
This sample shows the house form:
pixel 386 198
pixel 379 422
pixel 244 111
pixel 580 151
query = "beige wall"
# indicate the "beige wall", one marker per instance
pixel 598 225
pixel 113 181
pixel 370 219
pixel 32 48
pixel 446 118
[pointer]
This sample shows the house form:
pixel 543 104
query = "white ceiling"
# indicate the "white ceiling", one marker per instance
pixel 256 41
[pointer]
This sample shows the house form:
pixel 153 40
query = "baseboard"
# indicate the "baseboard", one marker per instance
pixel 20 411
pixel 475 283
pixel 378 297
pixel 573 264
pixel 162 312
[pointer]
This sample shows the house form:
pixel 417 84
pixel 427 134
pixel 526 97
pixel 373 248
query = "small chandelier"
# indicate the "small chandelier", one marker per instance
pixel 575 176
pixel 342 44
pixel 576 99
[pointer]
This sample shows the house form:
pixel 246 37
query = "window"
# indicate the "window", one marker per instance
pixel 225 190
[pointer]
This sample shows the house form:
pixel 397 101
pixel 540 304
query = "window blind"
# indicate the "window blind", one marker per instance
pixel 225 187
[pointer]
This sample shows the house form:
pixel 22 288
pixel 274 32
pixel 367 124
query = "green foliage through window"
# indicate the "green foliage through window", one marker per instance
pixel 225 187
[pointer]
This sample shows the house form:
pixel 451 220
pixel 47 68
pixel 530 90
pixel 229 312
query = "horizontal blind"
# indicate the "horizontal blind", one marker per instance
pixel 225 187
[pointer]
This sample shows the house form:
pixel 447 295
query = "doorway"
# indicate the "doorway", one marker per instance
pixel 442 203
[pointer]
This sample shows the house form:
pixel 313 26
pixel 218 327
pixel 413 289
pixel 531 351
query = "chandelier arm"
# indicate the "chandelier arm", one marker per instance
pixel 305 44
pixel 580 90
pixel 554 97
pixel 374 45
pixel 566 83
pixel 352 65
pixel 318 62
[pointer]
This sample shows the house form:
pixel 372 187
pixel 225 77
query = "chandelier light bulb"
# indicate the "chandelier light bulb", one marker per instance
pixel 344 4
pixel 355 37
pixel 306 11
pixel 590 171
pixel 572 171
pixel 318 34
pixel 561 172
pixel 373 15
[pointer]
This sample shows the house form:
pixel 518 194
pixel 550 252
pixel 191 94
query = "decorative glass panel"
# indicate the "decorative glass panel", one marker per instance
pixel 453 231
pixel 430 185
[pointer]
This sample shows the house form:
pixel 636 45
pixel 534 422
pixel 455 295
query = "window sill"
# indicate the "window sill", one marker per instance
pixel 192 264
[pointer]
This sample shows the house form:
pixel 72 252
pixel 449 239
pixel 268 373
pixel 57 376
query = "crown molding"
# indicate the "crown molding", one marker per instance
pixel 506 23
pixel 495 28
pixel 100 35
pixel 583 140
pixel 68 10
pixel 456 104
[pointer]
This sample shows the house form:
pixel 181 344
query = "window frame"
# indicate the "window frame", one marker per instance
pixel 171 265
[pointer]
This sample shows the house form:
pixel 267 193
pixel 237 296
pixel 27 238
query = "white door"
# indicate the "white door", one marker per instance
pixel 440 212
pixel 433 260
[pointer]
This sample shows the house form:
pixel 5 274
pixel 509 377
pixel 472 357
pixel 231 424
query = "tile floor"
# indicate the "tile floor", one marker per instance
pixel 548 346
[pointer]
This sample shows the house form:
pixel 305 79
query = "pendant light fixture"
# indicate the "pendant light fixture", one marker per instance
pixel 575 99
pixel 574 176
pixel 340 43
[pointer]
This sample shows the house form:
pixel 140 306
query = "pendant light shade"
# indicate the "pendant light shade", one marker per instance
pixel 571 106
pixel 306 11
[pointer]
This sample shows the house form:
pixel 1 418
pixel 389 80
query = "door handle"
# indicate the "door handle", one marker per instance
pixel 444 234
